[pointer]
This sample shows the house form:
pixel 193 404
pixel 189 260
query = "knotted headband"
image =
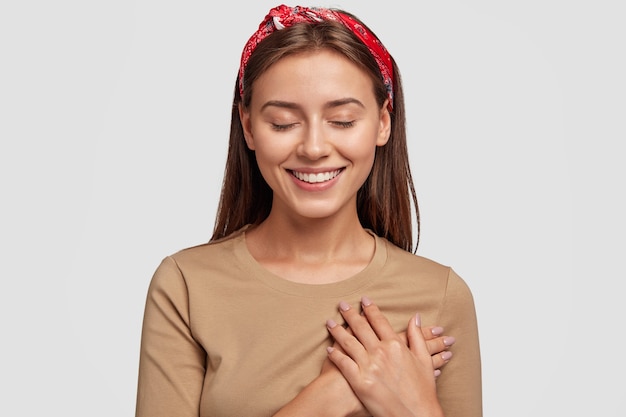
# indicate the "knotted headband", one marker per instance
pixel 283 16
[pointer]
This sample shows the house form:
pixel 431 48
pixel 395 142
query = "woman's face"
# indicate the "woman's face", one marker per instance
pixel 314 125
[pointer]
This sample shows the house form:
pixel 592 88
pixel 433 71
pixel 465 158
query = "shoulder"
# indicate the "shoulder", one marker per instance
pixel 402 259
pixel 208 253
pixel 428 270
pixel 188 264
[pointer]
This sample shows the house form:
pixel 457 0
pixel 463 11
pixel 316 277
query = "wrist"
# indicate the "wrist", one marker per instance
pixel 325 396
pixel 335 396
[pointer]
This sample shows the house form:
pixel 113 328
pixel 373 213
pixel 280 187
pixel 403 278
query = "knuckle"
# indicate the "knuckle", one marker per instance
pixel 351 342
pixel 393 346
pixel 437 361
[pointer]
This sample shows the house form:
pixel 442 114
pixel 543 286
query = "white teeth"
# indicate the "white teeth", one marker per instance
pixel 315 178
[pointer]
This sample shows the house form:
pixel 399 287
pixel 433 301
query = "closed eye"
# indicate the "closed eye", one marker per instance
pixel 279 128
pixel 343 124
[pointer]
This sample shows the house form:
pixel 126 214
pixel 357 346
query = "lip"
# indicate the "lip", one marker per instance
pixel 309 170
pixel 316 186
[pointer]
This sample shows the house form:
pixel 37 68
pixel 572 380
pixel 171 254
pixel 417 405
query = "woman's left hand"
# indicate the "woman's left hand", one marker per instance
pixel 389 377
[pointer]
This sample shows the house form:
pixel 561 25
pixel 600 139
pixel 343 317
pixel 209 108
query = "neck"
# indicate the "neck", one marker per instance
pixel 312 251
pixel 312 239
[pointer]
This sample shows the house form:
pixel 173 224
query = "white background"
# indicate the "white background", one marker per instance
pixel 113 125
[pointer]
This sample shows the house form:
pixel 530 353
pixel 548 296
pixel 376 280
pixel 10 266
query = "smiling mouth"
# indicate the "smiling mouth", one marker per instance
pixel 314 178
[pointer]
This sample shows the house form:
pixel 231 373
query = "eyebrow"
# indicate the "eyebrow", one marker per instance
pixel 328 105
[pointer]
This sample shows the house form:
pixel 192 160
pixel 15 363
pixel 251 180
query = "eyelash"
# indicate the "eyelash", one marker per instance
pixel 344 124
pixel 289 126
pixel 281 128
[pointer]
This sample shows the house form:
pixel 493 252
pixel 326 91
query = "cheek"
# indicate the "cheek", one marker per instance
pixel 360 147
pixel 270 156
pixel 269 153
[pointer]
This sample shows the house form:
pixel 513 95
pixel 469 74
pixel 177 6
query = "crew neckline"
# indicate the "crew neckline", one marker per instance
pixel 345 287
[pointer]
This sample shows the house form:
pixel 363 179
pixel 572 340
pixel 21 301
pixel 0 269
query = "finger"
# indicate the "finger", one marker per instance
pixel 377 320
pixel 337 345
pixel 436 347
pixel 439 344
pixel 349 344
pixel 440 359
pixel 417 344
pixel 431 332
pixel 344 363
pixel 358 325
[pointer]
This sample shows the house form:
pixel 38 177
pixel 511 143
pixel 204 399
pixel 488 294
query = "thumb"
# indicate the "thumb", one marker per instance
pixel 415 337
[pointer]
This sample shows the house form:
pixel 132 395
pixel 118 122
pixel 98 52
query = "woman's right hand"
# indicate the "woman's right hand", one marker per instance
pixel 437 344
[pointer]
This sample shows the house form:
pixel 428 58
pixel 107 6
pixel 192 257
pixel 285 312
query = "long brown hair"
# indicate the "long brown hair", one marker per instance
pixel 383 201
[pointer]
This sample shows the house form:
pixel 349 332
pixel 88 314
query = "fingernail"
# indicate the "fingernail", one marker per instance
pixel 449 340
pixel 366 301
pixel 437 373
pixel 418 320
pixel 437 331
pixel 330 323
pixel 446 355
pixel 343 306
pixel 330 349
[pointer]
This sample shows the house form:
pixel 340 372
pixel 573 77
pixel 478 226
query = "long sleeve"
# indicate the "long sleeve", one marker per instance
pixel 172 363
pixel 460 384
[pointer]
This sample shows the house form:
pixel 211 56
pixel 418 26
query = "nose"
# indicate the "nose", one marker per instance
pixel 314 143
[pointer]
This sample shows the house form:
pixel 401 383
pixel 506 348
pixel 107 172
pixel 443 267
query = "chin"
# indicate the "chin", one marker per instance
pixel 319 211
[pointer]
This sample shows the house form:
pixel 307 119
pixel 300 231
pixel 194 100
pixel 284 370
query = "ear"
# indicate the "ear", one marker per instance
pixel 244 117
pixel 384 130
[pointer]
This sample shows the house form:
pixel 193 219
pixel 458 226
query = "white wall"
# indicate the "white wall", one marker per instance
pixel 113 127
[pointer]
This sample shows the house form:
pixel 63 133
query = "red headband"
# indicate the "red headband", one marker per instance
pixel 283 16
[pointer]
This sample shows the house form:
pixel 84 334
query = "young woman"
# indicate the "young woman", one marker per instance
pixel 308 300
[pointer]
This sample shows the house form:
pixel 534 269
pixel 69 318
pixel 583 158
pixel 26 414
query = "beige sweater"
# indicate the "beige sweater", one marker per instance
pixel 222 336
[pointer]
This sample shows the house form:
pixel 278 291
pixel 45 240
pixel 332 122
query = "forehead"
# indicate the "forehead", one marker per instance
pixel 313 77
